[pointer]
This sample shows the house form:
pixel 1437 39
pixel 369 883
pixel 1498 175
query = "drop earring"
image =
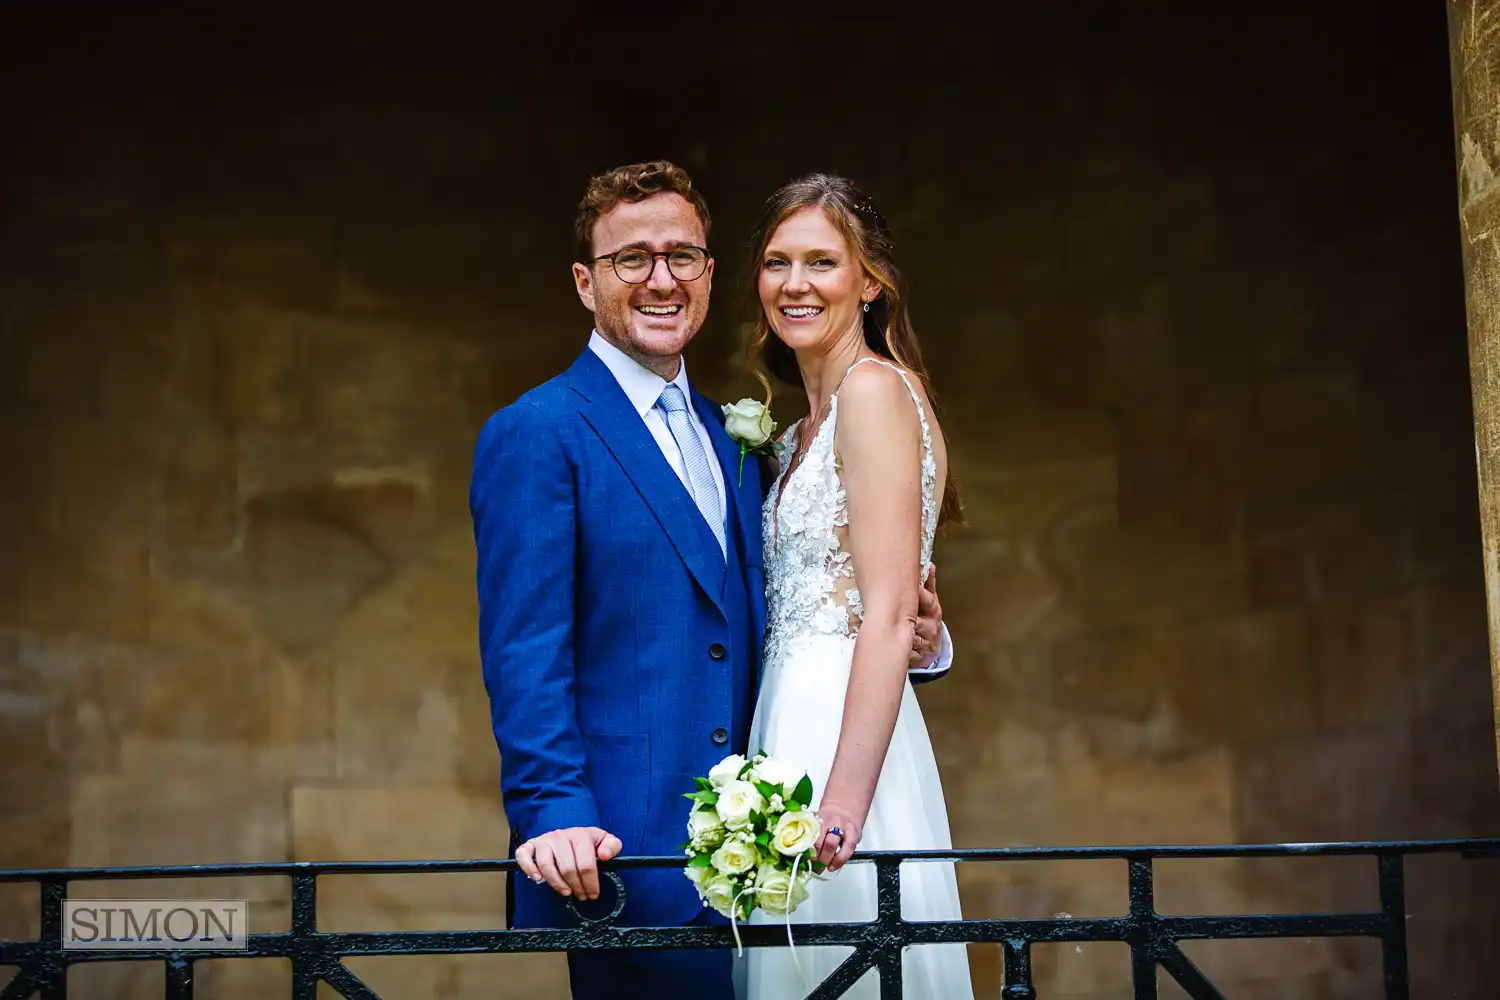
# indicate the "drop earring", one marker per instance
pixel 867 307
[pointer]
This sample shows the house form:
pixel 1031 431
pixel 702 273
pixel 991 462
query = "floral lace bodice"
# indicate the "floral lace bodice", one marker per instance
pixel 805 526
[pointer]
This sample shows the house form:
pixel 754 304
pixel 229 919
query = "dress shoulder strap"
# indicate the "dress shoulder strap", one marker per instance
pixel 929 460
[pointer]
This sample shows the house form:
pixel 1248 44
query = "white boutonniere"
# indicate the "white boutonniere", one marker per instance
pixel 749 423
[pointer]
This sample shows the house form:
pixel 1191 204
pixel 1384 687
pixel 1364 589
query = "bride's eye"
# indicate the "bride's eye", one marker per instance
pixel 824 263
pixel 773 264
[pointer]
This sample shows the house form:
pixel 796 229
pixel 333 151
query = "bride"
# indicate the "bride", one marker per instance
pixel 848 525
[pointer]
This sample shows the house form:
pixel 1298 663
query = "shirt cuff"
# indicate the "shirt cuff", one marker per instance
pixel 937 668
pixel 945 653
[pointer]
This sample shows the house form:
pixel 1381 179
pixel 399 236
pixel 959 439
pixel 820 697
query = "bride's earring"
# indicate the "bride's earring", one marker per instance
pixel 867 307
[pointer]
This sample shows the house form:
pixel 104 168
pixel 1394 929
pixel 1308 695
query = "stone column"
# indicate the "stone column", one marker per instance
pixel 1474 56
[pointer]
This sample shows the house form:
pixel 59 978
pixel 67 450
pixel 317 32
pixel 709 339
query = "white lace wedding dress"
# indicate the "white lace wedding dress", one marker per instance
pixel 813 609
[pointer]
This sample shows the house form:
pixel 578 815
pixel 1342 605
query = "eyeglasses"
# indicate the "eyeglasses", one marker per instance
pixel 634 265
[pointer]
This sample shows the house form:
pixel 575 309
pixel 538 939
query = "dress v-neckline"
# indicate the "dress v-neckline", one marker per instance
pixel 784 479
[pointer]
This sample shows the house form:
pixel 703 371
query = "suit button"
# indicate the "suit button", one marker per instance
pixel 716 651
pixel 721 736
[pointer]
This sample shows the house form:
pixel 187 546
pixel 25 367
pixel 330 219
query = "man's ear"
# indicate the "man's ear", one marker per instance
pixel 583 281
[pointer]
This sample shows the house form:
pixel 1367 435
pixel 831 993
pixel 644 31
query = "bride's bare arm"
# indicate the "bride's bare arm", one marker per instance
pixel 879 442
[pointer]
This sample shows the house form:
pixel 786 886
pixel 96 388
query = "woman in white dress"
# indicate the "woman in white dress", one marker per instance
pixel 848 525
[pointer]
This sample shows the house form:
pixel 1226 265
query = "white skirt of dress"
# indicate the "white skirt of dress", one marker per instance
pixel 798 716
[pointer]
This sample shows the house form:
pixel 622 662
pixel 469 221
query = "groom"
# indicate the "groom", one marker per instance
pixel 622 601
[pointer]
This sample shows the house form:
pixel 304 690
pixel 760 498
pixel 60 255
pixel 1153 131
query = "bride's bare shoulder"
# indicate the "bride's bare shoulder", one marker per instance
pixel 876 402
pixel 873 385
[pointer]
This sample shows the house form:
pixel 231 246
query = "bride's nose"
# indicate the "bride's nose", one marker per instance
pixel 796 281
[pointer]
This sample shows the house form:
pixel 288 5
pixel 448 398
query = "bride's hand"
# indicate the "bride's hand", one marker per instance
pixel 839 838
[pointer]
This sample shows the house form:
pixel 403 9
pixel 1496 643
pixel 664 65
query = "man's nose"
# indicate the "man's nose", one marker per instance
pixel 661 279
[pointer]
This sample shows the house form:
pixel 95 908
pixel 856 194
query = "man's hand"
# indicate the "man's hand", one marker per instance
pixel 568 860
pixel 927 642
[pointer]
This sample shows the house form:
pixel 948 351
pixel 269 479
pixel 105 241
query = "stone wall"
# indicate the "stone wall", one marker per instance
pixel 1195 319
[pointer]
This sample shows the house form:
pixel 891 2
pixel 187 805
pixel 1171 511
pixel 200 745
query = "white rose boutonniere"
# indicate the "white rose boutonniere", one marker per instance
pixel 749 423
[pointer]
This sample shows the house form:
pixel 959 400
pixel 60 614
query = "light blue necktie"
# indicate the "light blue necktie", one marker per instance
pixel 673 405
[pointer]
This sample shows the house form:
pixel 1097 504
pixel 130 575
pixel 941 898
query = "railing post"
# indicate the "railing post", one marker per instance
pixel 1393 935
pixel 180 979
pixel 1143 937
pixel 54 974
pixel 888 916
pixel 1474 59
pixel 1018 984
pixel 306 958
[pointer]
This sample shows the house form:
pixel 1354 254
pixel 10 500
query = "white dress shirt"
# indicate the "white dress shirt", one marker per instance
pixel 643 387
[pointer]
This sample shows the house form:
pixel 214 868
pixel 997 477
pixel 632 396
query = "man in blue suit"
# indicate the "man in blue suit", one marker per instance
pixel 621 596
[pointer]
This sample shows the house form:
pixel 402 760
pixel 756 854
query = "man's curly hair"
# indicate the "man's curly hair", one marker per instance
pixel 632 183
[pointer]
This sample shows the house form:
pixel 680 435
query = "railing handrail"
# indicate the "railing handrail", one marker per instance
pixel 1467 846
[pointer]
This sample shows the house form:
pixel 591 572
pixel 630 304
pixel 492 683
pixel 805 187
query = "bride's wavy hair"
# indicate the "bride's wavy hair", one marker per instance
pixel 887 324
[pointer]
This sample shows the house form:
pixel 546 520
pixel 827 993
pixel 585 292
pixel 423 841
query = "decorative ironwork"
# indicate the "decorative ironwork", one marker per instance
pixel 1154 938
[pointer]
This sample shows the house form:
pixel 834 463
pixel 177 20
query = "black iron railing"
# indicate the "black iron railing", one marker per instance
pixel 1153 937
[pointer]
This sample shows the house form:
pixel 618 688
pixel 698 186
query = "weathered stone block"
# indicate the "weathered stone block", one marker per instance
pixel 395 823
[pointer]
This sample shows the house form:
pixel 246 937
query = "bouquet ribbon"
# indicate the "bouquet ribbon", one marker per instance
pixel 734 925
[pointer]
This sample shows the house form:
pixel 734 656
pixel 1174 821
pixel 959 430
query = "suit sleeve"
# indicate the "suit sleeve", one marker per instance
pixel 524 505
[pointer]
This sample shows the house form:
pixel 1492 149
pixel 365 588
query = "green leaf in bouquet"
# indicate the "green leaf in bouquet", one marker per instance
pixel 763 839
pixel 701 861
pixel 802 794
pixel 767 790
pixel 706 798
pixel 704 785
pixel 746 769
pixel 684 845
pixel 757 822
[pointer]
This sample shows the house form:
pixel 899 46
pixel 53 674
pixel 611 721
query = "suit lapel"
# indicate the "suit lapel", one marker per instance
pixel 746 494
pixel 609 412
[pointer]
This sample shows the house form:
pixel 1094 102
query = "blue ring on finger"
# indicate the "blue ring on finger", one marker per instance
pixel 836 832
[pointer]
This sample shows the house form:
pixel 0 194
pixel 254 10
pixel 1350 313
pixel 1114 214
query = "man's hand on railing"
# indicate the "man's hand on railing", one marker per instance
pixel 568 860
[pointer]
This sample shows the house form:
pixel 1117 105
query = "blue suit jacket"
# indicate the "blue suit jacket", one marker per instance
pixel 620 646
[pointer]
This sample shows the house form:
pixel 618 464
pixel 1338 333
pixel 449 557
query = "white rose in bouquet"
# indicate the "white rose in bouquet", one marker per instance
pixel 726 770
pixel 737 800
pixel 736 856
pixel 780 773
pixel 772 884
pixel 705 829
pixel 718 891
pixel 698 874
pixel 796 832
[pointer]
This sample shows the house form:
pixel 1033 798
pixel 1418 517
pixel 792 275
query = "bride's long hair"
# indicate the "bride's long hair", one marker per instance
pixel 887 324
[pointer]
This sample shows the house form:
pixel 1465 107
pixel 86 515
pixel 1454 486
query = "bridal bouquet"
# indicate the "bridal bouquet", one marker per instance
pixel 750 836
